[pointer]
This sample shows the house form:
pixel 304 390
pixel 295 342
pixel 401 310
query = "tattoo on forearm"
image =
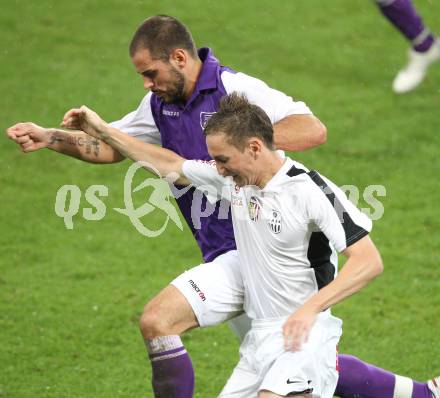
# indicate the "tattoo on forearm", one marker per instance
pixel 54 139
pixel 90 143
pixel 94 144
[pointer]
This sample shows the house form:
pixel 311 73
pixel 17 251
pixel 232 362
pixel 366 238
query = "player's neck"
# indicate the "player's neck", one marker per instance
pixel 272 164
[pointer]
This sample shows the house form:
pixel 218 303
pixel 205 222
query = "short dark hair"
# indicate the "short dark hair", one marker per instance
pixel 160 35
pixel 239 120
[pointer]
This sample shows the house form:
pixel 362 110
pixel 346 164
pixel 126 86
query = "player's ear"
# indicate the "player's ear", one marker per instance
pixel 254 146
pixel 179 57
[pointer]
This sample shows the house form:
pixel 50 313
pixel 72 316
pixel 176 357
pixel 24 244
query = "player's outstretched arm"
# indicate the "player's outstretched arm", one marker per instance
pixel 31 137
pixel 299 132
pixel 156 159
pixel 363 264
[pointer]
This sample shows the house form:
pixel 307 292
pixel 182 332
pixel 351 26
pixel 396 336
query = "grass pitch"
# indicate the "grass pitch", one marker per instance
pixel 70 299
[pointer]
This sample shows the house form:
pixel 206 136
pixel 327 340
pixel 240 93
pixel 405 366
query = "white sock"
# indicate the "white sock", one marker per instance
pixel 403 387
pixel 166 345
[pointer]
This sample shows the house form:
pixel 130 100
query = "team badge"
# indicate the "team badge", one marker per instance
pixel 275 222
pixel 254 208
pixel 204 117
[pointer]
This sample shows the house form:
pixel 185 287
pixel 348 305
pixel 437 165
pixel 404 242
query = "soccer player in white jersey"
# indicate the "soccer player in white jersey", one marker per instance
pixel 288 223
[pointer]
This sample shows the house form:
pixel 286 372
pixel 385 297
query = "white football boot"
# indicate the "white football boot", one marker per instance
pixel 434 386
pixel 414 72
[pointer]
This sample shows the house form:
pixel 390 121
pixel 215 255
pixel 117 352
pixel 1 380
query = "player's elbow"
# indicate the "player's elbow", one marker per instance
pixel 378 266
pixel 319 134
pixel 316 134
pixel 299 133
pixel 375 266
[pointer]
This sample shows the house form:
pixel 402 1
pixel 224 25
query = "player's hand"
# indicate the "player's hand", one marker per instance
pixel 29 136
pixel 297 328
pixel 84 119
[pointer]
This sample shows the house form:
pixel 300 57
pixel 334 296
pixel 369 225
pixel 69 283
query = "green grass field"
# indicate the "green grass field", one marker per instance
pixel 70 299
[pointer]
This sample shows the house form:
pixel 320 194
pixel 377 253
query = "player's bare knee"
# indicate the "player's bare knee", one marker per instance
pixel 153 323
pixel 169 313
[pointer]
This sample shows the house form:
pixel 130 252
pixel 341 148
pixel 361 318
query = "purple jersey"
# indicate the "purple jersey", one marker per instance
pixel 181 130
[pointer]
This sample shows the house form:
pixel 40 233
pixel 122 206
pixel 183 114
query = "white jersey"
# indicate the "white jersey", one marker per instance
pixel 286 233
pixel 277 105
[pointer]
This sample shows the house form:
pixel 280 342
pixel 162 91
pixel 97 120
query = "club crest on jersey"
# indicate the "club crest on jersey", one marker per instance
pixel 275 221
pixel 254 208
pixel 204 117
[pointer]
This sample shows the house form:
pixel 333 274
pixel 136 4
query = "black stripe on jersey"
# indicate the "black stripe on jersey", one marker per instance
pixel 318 254
pixel 353 232
pixel 294 171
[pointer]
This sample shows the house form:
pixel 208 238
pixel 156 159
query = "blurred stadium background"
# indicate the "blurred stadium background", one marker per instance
pixel 70 299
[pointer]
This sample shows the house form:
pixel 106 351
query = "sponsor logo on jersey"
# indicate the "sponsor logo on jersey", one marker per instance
pixel 275 221
pixel 254 208
pixel 170 113
pixel 210 162
pixel 237 201
pixel 197 289
pixel 204 117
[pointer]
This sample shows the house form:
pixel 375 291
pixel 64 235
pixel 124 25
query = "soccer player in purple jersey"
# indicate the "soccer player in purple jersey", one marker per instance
pixel 425 47
pixel 185 89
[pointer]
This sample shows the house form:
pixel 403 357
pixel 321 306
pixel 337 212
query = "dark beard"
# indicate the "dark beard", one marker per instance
pixel 175 93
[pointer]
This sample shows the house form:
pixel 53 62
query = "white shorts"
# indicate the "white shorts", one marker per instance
pixel 265 364
pixel 215 292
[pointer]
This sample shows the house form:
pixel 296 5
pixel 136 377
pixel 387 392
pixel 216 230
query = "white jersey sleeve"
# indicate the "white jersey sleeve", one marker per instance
pixel 204 176
pixel 333 214
pixel 140 123
pixel 276 104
